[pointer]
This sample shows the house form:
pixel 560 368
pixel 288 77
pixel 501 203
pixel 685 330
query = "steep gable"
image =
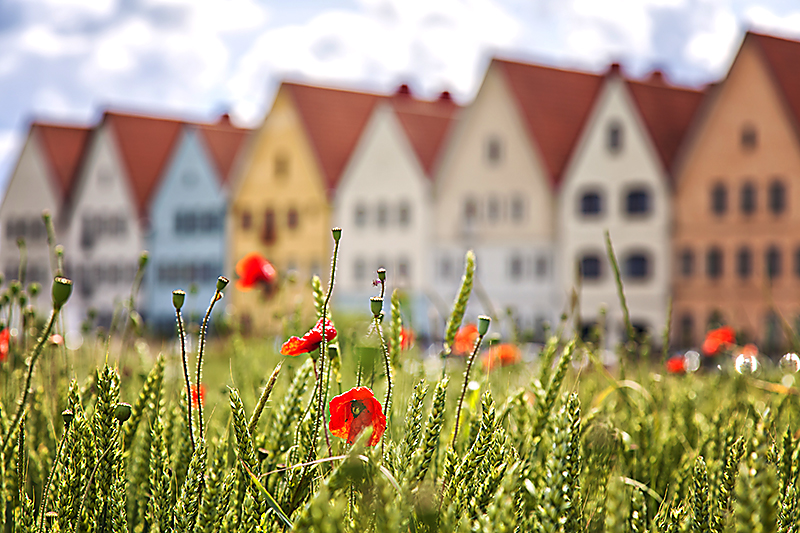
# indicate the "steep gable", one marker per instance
pixel 64 147
pixel 224 142
pixel 554 104
pixel 782 58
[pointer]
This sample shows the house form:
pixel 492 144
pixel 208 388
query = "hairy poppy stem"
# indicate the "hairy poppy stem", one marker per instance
pixel 221 283
pixel 182 334
pixel 464 387
pixel 385 352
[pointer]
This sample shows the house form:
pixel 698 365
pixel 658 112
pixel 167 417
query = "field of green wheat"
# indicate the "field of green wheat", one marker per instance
pixel 346 427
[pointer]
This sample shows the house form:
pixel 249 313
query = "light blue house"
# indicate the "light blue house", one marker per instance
pixel 186 238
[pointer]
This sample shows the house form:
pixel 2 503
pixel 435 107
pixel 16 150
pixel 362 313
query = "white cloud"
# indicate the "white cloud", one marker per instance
pixel 10 142
pixel 764 20
pixel 712 49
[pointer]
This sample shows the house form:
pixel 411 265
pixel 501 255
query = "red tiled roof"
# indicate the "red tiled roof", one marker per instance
pixel 426 125
pixel 224 141
pixel 783 59
pixel 145 144
pixel 667 112
pixel 334 120
pixel 554 104
pixel 63 146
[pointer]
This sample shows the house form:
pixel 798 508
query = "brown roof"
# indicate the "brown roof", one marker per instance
pixel 783 59
pixel 63 147
pixel 667 112
pixel 145 144
pixel 334 120
pixel 426 124
pixel 224 141
pixel 554 104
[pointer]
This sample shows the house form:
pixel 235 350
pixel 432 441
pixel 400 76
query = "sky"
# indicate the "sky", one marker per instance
pixel 67 61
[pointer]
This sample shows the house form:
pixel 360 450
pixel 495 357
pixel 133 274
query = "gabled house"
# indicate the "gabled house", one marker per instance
pixel 186 221
pixel 736 240
pixel 280 201
pixel 384 200
pixel 42 180
pixel 496 189
pixel 618 180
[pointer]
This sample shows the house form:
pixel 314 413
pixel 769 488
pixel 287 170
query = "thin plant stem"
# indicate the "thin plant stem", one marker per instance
pixel 667 332
pixel 626 316
pixel 37 350
pixel 200 349
pixel 89 484
pixel 182 334
pixel 46 490
pixel 464 388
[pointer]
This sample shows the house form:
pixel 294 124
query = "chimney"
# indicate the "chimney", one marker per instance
pixel 445 96
pixel 615 69
pixel 403 90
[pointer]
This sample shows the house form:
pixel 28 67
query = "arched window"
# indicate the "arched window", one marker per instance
pixel 687 262
pixel 591 203
pixel 773 262
pixel 744 262
pixel 749 137
pixel 494 150
pixel 637 266
pixel 719 199
pixel 714 262
pixel 591 267
pixel 777 197
pixel 748 198
pixel 360 216
pixel 637 202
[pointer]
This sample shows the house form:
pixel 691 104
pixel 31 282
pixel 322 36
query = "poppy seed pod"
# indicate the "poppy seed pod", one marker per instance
pixel 143 259
pixel 62 288
pixel 178 297
pixel 122 412
pixel 222 282
pixel 337 234
pixel 382 274
pixel 376 305
pixel 483 324
pixel 14 287
pixel 67 415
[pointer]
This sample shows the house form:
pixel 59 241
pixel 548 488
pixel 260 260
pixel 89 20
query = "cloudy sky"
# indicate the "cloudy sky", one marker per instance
pixel 67 60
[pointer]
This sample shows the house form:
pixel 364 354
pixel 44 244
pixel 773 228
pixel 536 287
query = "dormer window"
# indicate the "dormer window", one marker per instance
pixel 494 150
pixel 749 137
pixel 614 139
pixel 281 165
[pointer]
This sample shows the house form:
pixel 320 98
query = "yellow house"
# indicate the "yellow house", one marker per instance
pixel 280 202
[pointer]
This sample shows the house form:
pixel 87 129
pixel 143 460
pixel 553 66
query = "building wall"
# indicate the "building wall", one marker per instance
pixel 513 219
pixel 748 98
pixel 613 173
pixel 186 238
pixel 383 204
pixel 104 238
pixel 280 174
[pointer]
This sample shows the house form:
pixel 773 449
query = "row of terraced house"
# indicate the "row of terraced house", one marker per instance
pixel 698 189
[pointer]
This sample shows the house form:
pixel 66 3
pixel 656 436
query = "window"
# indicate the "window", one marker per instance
pixel 777 197
pixel 541 267
pixel 403 269
pixel 748 198
pixel 590 268
pixel 614 139
pixel 749 137
pixel 292 218
pixel 517 209
pixel 493 150
pixel 404 214
pixel 281 165
pixel 714 263
pixel 637 266
pixel 719 199
pixel 744 262
pixel 637 202
pixel 493 209
pixel 445 268
pixel 268 235
pixel 246 220
pixel 470 210
pixel 773 262
pixel 383 215
pixel 515 267
pixel 687 330
pixel 360 216
pixel 687 262
pixel 359 270
pixel 591 203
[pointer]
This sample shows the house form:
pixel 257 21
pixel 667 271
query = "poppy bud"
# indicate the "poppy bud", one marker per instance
pixel 34 289
pixel 382 274
pixel 337 234
pixel 143 259
pixel 222 282
pixel 376 305
pixel 122 412
pixel 14 287
pixel 178 297
pixel 67 415
pixel 483 324
pixel 62 288
pixel 2 279
pixel 23 299
pixel 494 338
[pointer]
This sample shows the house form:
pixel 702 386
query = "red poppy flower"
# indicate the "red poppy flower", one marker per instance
pixel 310 341
pixel 718 339
pixel 676 365
pixel 253 269
pixel 406 339
pixel 353 411
pixel 465 339
pixel 501 355
pixel 5 337
pixel 198 397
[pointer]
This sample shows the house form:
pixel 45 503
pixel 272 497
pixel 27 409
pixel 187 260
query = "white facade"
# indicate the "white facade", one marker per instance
pixel 616 182
pixel 383 204
pixel 104 238
pixel 493 196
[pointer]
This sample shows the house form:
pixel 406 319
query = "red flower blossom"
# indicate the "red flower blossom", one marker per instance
pixel 718 339
pixel 465 340
pixel 310 341
pixel 353 411
pixel 198 397
pixel 406 339
pixel 5 337
pixel 676 365
pixel 253 269
pixel 501 355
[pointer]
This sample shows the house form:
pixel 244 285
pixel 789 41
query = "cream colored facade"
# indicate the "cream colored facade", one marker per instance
pixel 597 187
